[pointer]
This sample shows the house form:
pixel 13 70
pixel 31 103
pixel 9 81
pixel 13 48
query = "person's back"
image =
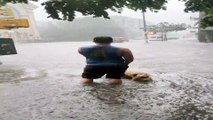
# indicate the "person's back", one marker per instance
pixel 103 58
pixel 98 55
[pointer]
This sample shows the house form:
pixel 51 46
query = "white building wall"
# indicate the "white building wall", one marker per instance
pixel 21 10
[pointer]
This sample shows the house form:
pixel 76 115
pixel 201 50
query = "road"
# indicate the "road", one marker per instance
pixel 41 82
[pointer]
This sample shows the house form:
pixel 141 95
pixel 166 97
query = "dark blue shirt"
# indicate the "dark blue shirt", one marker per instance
pixel 102 55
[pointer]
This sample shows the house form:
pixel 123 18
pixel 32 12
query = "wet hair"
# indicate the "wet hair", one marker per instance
pixel 103 39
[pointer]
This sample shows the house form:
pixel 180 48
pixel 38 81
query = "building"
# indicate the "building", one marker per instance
pixel 21 10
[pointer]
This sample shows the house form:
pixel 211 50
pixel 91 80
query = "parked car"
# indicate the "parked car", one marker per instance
pixel 155 38
pixel 119 39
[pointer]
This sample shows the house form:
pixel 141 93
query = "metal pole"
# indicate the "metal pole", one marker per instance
pixel 145 30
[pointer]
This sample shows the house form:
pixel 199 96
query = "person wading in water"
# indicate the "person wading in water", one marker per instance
pixel 103 58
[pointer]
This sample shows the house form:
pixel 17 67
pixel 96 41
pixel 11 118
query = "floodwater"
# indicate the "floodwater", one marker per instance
pixel 41 82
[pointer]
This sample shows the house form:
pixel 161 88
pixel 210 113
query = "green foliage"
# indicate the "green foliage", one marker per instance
pixel 66 9
pixel 205 6
pixel 2 3
pixel 198 5
pixel 206 21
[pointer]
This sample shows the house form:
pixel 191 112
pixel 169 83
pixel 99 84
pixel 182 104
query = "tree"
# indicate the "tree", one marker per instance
pixel 66 9
pixel 205 6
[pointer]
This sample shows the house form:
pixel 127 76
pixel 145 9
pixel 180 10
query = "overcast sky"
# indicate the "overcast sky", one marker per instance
pixel 174 14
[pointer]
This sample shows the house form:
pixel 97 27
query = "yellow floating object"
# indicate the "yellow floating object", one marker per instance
pixel 137 76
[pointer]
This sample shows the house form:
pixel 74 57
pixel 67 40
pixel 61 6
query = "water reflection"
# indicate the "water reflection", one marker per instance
pixel 109 94
pixel 169 96
pixel 16 74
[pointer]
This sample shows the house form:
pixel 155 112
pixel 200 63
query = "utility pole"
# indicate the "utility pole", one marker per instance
pixel 145 30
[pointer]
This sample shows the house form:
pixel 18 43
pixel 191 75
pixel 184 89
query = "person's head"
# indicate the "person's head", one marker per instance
pixel 103 40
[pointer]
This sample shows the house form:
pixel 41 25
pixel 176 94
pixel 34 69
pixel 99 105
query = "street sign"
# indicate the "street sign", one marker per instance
pixel 7 46
pixel 14 23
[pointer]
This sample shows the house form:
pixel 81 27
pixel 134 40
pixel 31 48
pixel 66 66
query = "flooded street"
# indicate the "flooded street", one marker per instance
pixel 41 82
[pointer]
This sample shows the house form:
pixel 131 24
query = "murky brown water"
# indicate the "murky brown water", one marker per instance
pixel 42 83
